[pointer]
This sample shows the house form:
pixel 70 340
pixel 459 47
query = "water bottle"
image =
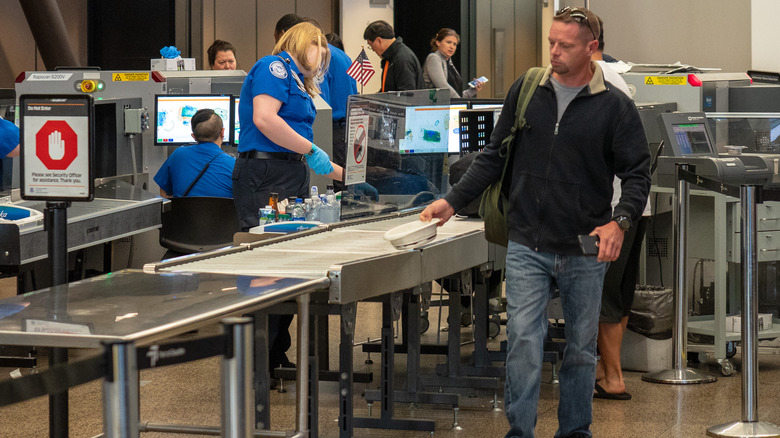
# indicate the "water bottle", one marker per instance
pixel 326 210
pixel 337 208
pixel 298 211
pixel 315 192
pixel 307 204
pixel 316 205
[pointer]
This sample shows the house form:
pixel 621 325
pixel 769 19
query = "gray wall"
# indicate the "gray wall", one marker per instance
pixel 705 33
pixel 711 33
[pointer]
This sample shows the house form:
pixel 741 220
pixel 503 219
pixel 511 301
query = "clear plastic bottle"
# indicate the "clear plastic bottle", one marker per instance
pixel 307 204
pixel 298 210
pixel 315 192
pixel 316 205
pixel 337 208
pixel 326 210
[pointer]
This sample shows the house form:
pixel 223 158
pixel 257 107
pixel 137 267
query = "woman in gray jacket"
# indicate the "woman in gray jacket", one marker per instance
pixel 440 72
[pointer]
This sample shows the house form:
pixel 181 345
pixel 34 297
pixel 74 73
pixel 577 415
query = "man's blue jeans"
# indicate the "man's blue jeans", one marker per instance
pixel 529 286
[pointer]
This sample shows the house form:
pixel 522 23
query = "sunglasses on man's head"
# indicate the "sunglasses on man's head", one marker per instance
pixel 577 15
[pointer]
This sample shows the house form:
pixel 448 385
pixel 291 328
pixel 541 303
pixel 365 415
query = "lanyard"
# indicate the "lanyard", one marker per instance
pixel 294 75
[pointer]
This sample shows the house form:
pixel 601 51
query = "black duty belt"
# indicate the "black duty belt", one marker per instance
pixel 258 155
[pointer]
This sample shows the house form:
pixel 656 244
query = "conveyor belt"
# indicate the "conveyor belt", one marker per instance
pixel 118 210
pixel 354 255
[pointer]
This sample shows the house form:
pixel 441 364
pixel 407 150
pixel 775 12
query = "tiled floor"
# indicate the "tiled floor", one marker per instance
pixel 190 394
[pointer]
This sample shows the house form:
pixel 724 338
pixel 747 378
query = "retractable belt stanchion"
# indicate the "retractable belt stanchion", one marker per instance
pixel 56 218
pixel 749 426
pixel 679 374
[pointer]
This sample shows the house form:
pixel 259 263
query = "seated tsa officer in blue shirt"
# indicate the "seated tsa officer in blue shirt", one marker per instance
pixel 9 139
pixel 202 169
pixel 276 113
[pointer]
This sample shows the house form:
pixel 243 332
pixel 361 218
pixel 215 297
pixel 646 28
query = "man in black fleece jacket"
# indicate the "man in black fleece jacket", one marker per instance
pixel 400 67
pixel 580 133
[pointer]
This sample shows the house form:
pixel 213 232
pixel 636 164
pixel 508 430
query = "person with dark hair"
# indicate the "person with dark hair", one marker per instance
pixel 600 55
pixel 620 279
pixel 285 23
pixel 222 56
pixel 579 134
pixel 335 40
pixel 202 169
pixel 400 68
pixel 440 72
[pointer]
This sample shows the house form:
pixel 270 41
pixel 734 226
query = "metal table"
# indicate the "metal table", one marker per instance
pixel 118 210
pixel 126 309
pixel 361 265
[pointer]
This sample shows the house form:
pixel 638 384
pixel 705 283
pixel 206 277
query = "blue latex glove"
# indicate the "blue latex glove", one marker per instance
pixel 170 52
pixel 319 161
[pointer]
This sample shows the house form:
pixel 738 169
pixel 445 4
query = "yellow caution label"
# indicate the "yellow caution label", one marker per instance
pixel 666 80
pixel 139 76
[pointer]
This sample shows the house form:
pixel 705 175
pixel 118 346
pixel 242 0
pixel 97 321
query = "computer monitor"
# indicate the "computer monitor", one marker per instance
pixel 687 134
pixel 495 107
pixel 174 111
pixel 432 129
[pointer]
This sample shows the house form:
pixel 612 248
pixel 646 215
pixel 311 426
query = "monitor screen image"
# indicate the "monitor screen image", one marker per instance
pixel 174 111
pixel 692 139
pixel 431 129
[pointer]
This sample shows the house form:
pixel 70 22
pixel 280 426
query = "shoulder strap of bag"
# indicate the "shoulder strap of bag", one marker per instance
pixel 532 79
pixel 202 171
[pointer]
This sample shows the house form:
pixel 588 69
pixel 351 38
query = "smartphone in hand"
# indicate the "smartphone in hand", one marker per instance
pixel 589 244
pixel 482 79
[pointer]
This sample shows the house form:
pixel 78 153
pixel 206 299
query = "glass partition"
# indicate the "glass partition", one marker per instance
pixel 758 132
pixel 398 147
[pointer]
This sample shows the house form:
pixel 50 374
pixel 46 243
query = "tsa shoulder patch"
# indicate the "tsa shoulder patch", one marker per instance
pixel 278 69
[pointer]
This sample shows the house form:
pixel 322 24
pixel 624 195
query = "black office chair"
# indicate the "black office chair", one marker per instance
pixel 198 223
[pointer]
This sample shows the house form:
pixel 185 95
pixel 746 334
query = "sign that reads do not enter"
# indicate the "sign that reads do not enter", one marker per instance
pixel 56 147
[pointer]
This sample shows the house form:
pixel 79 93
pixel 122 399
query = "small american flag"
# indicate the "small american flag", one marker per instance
pixel 361 69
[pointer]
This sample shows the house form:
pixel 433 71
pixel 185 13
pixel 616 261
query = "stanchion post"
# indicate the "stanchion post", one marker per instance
pixel 679 374
pixel 236 388
pixel 120 392
pixel 749 426
pixel 56 217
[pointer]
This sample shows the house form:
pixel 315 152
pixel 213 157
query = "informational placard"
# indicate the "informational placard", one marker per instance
pixel 57 134
pixel 357 146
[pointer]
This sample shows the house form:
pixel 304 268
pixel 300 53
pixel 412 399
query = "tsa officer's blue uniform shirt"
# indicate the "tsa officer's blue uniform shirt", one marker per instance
pixel 337 85
pixel 9 137
pixel 273 75
pixel 186 162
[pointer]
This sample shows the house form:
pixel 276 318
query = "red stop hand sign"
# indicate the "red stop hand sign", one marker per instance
pixel 56 145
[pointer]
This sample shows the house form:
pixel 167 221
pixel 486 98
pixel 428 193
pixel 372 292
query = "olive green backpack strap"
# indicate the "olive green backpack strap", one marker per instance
pixel 491 207
pixel 532 79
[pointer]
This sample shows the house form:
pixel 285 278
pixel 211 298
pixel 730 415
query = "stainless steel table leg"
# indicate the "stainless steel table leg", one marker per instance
pixel 302 370
pixel 680 374
pixel 120 393
pixel 749 426
pixel 236 388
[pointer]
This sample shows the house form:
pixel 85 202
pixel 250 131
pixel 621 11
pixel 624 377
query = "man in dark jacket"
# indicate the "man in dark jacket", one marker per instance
pixel 400 67
pixel 580 133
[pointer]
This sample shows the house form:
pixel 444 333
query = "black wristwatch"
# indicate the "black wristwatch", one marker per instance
pixel 624 222
pixel 311 151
